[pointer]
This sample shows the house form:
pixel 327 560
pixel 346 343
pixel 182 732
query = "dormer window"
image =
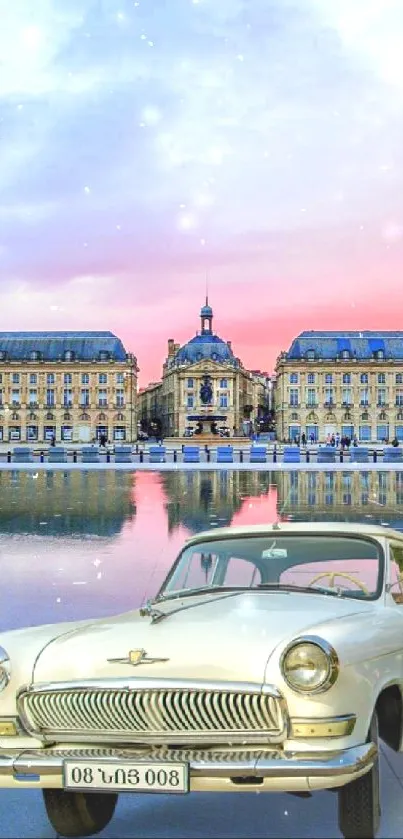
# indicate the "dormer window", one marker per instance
pixel 2 355
pixel 379 354
pixel 310 354
pixel 104 355
pixel 34 355
pixel 68 355
pixel 345 354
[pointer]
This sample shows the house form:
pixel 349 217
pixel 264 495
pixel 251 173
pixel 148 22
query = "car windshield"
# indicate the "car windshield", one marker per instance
pixel 344 566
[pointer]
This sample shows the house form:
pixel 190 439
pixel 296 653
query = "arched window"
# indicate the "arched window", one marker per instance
pixel 34 355
pixel 310 354
pixel 68 355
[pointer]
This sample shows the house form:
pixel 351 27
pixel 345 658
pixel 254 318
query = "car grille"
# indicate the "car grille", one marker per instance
pixel 153 715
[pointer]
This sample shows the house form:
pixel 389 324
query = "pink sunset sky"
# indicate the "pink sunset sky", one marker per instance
pixel 146 144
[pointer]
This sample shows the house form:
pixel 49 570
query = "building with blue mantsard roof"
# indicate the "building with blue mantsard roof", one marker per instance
pixel 204 387
pixel 346 383
pixel 66 387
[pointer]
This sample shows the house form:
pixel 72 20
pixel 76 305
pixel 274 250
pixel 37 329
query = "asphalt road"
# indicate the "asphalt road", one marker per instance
pixel 223 816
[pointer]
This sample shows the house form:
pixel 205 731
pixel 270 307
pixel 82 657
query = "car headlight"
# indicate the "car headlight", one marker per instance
pixel 309 665
pixel 5 668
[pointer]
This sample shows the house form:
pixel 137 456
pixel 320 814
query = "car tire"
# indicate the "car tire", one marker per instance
pixel 359 801
pixel 79 813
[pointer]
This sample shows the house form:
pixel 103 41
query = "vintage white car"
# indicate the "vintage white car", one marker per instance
pixel 270 660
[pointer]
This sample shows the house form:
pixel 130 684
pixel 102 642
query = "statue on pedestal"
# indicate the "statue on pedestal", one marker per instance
pixel 206 391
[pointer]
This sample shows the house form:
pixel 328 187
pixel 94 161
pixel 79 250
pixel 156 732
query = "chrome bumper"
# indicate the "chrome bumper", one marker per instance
pixel 210 770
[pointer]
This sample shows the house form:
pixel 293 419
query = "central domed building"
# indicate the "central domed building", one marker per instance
pixel 204 388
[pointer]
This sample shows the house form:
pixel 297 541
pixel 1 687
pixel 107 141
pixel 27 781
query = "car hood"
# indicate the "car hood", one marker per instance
pixel 215 637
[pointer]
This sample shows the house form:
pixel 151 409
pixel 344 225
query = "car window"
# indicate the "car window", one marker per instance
pixel 352 575
pixel 239 572
pixel 396 573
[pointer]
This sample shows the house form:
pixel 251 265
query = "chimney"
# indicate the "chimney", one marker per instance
pixel 171 347
pixel 229 344
pixel 176 347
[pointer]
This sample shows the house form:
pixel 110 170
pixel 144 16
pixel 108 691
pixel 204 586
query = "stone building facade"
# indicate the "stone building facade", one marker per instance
pixel 349 383
pixel 204 387
pixel 71 386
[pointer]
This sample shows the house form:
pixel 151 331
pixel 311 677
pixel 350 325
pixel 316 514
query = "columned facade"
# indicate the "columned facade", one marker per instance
pixel 204 389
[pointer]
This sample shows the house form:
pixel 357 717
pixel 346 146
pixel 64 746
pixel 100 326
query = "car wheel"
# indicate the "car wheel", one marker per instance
pixel 359 801
pixel 79 813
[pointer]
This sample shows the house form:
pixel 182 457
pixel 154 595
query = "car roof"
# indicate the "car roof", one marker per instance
pixel 309 528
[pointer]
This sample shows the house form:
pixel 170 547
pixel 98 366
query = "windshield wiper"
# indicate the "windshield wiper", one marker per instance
pixel 157 615
pixel 305 589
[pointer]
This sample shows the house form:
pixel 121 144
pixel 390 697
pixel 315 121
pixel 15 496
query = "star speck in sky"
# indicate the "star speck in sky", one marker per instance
pixel 145 144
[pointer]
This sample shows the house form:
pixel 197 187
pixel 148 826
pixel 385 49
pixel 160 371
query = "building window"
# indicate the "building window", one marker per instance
pixel 399 397
pixel 34 355
pixel 33 378
pixel 1 398
pixel 223 400
pixel 120 397
pixel 382 432
pixel 67 398
pixel 310 355
pixel 364 397
pixel 67 433
pixel 119 432
pixel 50 396
pixel 15 378
pixel 294 396
pixel 3 355
pixel 311 397
pixel 120 378
pixel 399 378
pixel 15 397
pixel 103 356
pixel 85 378
pixel 293 378
pixel 84 396
pixel 32 433
pixel 329 378
pixel 223 383
pixel 190 383
pixel 68 379
pixel 379 354
pixel 190 402
pixel 364 378
pixel 381 378
pixel 381 396
pixel 346 378
pixel 102 397
pixel 346 396
pixel 311 378
pixel 50 379
pixel 345 354
pixel 329 396
pixel 33 397
pixel 103 378
pixel 69 355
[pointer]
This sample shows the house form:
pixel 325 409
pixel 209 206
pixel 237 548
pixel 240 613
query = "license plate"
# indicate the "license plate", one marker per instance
pixel 125 776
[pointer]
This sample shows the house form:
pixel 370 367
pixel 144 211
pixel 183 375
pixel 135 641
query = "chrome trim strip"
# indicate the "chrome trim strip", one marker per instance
pixel 334 664
pixel 142 683
pixel 265 764
pixel 324 727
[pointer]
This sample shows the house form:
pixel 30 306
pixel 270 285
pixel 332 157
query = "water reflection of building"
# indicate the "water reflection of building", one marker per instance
pixel 65 503
pixel 200 500
pixel 342 496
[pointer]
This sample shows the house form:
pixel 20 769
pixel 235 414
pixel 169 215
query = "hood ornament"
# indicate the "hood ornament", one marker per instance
pixel 136 657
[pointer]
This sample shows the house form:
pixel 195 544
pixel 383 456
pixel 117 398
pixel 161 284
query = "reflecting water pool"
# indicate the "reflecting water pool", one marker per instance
pixel 83 544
